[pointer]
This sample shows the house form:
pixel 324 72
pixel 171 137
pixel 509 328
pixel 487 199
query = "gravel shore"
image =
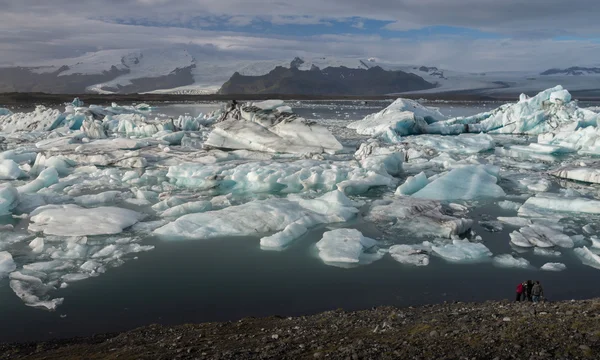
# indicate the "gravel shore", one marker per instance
pixel 491 330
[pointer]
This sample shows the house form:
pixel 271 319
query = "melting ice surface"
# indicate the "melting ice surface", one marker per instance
pixel 88 189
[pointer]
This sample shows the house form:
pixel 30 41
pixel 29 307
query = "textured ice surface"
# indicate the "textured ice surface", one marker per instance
pixel 418 217
pixel 584 174
pixel 9 198
pixel 588 257
pixel 261 217
pixel 541 236
pixel 271 129
pixel 72 220
pixel 509 205
pixel 283 238
pixel 347 246
pixel 544 203
pixel 463 251
pixel 9 170
pixel 7 264
pixel 46 178
pixel 546 252
pixel 509 261
pixel 417 255
pixel 465 183
pixel 554 267
pixel 187 208
pixel 412 184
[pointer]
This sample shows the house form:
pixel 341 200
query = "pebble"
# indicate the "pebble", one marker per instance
pixel 506 319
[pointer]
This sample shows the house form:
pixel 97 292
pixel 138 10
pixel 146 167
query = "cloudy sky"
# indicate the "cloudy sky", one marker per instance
pixel 466 35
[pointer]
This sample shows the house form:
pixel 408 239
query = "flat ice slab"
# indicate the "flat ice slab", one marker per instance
pixel 344 246
pixel 72 220
pixel 463 251
pixel 583 174
pixel 417 255
pixel 554 267
pixel 509 261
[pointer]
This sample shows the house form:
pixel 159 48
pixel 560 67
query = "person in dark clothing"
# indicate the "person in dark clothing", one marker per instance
pixel 537 292
pixel 520 289
pixel 528 290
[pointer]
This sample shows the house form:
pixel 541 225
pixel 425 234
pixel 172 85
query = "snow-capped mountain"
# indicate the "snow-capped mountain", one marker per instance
pixel 187 70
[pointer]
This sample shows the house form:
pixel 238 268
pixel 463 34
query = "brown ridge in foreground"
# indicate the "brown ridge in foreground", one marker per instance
pixel 11 99
pixel 491 330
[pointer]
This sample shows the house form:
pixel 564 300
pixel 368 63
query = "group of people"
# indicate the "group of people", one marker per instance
pixel 530 291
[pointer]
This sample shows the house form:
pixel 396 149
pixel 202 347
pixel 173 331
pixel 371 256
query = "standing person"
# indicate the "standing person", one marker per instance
pixel 537 292
pixel 529 287
pixel 520 290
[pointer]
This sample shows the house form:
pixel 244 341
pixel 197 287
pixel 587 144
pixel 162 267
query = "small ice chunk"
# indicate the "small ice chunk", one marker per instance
pixel 107 197
pixel 546 252
pixel 344 246
pixel 509 261
pixel 552 202
pixel 46 178
pixel 554 267
pixel 589 229
pixel 412 184
pixel 72 220
pixel 463 251
pixel 595 242
pixel 7 264
pixel 9 199
pixel 509 205
pixel 283 238
pixel 410 254
pixel 491 226
pixel 37 245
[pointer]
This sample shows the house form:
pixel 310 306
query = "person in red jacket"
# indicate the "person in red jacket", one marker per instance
pixel 520 292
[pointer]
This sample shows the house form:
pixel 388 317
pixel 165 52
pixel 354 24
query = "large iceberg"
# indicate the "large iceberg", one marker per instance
pixel 262 217
pixel 269 126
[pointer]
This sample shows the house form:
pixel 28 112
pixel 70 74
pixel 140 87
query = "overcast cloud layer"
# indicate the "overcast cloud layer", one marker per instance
pixel 468 35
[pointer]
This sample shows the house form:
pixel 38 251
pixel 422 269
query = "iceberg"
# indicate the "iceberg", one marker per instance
pixel 584 174
pixel 347 246
pixel 546 252
pixel 7 264
pixel 463 251
pixel 509 205
pixel 541 236
pixel 261 217
pixel 465 183
pixel 187 208
pixel 10 170
pixel 412 184
pixel 546 203
pixel 416 216
pixel 72 220
pixel 588 257
pixel 554 267
pixel 46 178
pixel 280 240
pixel 417 255
pixel 508 261
pixel 263 127
pixel 28 287
pixel 39 119
pixel 9 199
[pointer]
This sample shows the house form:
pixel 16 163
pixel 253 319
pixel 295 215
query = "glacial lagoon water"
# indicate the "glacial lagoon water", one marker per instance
pixel 229 278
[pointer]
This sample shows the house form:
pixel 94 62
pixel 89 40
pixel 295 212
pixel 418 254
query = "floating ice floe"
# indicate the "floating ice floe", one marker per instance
pixel 554 267
pixel 417 255
pixel 419 217
pixel 588 257
pixel 546 252
pixel 509 205
pixel 583 173
pixel 261 217
pixel 509 261
pixel 7 264
pixel 347 246
pixel 463 251
pixel 543 204
pixel 540 236
pixel 72 220
pixel 465 183
pixel 269 126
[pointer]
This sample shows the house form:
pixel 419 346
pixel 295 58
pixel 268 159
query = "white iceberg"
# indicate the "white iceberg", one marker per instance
pixel 545 203
pixel 588 257
pixel 583 173
pixel 412 184
pixel 509 261
pixel 509 205
pixel 541 236
pixel 7 264
pixel 263 127
pixel 9 199
pixel 191 207
pixel 546 252
pixel 554 267
pixel 10 170
pixel 465 183
pixel 347 246
pixel 46 178
pixel 463 251
pixel 72 220
pixel 261 217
